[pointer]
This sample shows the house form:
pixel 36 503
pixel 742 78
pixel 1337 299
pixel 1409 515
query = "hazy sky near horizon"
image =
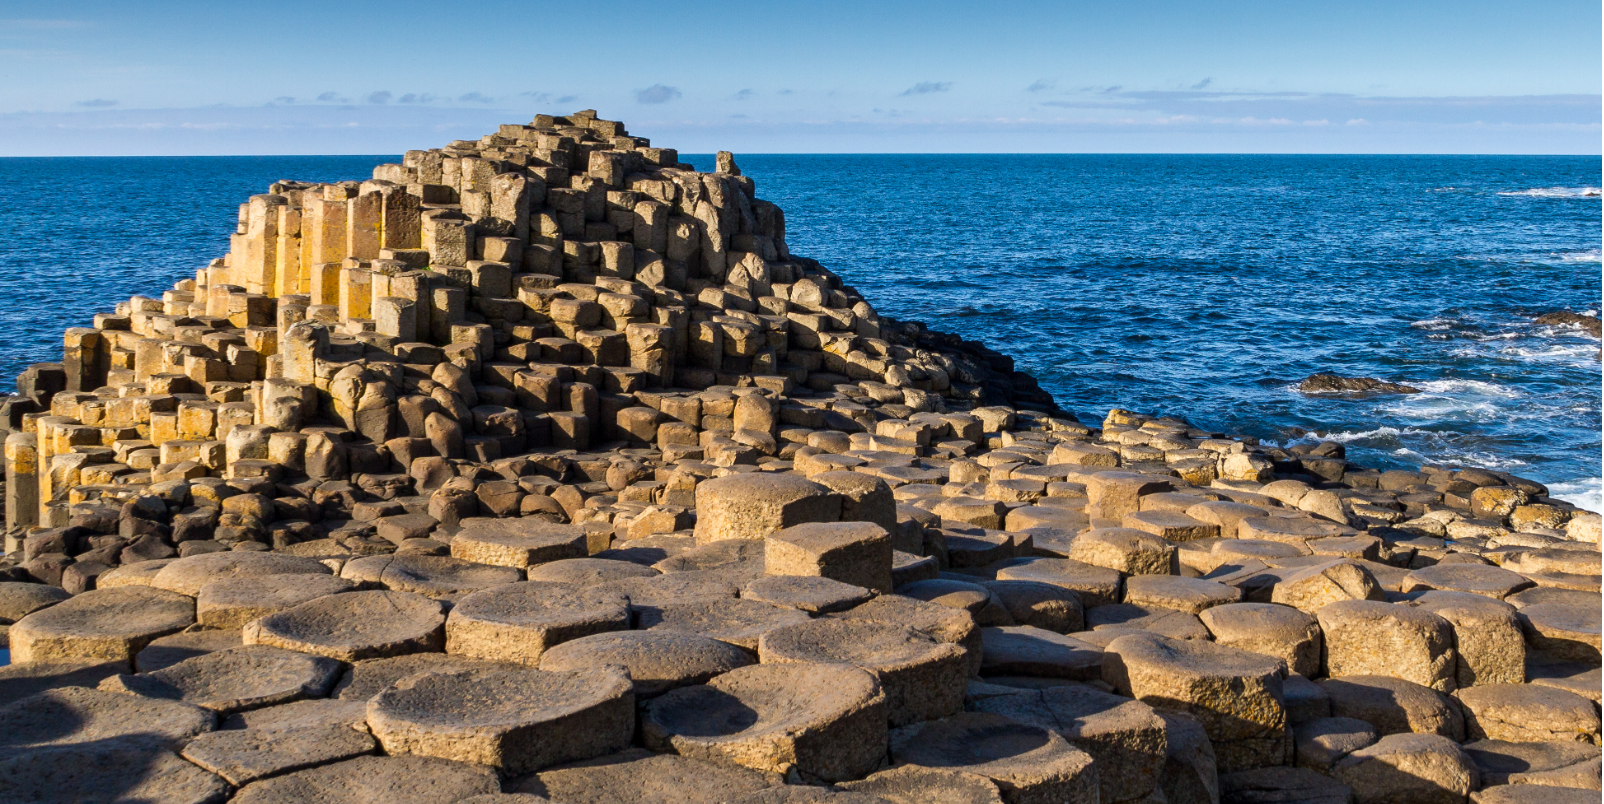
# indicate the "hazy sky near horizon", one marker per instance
pixel 1368 76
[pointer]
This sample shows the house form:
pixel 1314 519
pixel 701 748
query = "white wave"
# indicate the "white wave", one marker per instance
pixel 1435 324
pixel 1553 352
pixel 1559 192
pixel 1593 255
pixel 1585 493
pixel 1481 460
pixel 1363 435
pixel 1474 387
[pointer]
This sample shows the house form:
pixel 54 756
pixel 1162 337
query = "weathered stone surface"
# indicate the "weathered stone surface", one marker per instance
pixel 636 776
pixel 1029 651
pixel 1562 632
pixel 354 625
pixel 1280 631
pixel 369 677
pixel 419 780
pixel 230 603
pixel 922 679
pixel 247 677
pixel 105 624
pixel 1477 579
pixel 189 575
pixel 738 622
pixel 1130 551
pixel 1042 605
pixel 588 571
pixel 942 623
pixel 1369 637
pixel 519 622
pixel 1128 740
pixel 114 770
pixel 814 595
pixel 1527 713
pixel 657 661
pixel 164 652
pixel 751 506
pixel 1313 588
pixel 1408 767
pixel 18 600
pixel 1029 764
pixel 1236 695
pixel 1531 794
pixel 520 543
pixel 1488 645
pixel 856 553
pixel 1282 784
pixel 75 715
pixel 1191 595
pixel 1546 764
pixel 517 720
pixel 1322 742
pixel 244 755
pixel 1096 586
pixel 440 577
pixel 913 784
pixel 1395 706
pixel 1189 775
pixel 18 681
pixel 824 722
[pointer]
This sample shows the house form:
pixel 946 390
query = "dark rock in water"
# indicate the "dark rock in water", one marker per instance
pixel 1334 384
pixel 1589 324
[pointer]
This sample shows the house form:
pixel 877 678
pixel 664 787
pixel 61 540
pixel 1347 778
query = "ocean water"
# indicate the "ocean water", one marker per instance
pixel 1199 286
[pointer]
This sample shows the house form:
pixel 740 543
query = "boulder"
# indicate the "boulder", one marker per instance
pixel 912 784
pixel 1320 743
pixel 76 715
pixel 189 575
pixel 1313 588
pixel 1191 595
pixel 369 677
pixel 812 594
pixel 520 543
pixel 739 622
pixel 856 553
pixel 1327 383
pixel 1028 651
pixel 1488 645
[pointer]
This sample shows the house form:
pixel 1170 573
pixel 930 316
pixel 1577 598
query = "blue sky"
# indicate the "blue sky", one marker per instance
pixel 329 77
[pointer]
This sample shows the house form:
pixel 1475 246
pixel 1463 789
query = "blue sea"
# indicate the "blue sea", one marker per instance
pixel 1193 285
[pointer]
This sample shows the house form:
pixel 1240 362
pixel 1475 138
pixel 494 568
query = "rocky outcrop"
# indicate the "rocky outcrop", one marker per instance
pixel 1335 384
pixel 539 464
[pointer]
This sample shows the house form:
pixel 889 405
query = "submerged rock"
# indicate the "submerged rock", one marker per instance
pixel 1565 318
pixel 1336 384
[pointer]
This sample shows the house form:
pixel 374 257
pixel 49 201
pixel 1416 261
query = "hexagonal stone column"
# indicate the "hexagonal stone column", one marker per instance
pixel 517 720
pixel 825 722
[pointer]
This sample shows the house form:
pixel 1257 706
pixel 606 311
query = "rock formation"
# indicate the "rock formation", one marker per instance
pixel 538 468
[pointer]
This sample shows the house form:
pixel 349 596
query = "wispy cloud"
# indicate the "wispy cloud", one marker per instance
pixel 96 103
pixel 568 99
pixel 656 93
pixel 332 97
pixel 744 94
pixel 1042 85
pixel 415 97
pixel 1204 84
pixel 926 87
pixel 380 97
pixel 475 97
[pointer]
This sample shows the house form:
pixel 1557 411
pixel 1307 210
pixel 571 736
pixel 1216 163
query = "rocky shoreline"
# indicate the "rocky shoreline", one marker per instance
pixel 538 468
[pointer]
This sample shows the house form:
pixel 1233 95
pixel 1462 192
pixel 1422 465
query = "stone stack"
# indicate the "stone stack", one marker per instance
pixel 538 468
